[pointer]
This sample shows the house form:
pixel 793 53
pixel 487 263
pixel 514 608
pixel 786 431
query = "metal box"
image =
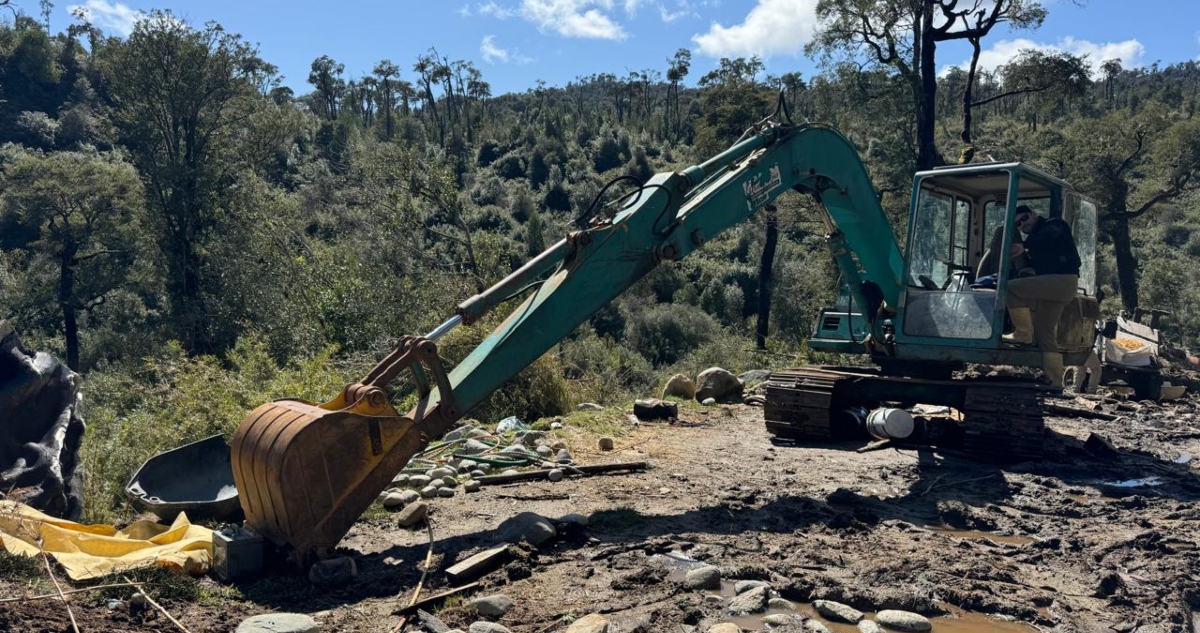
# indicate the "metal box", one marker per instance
pixel 237 552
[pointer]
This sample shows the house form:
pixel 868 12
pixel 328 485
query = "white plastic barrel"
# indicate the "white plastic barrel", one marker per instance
pixel 890 424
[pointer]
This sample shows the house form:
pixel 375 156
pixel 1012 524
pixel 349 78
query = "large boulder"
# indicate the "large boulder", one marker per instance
pixel 679 386
pixel 719 384
pixel 40 429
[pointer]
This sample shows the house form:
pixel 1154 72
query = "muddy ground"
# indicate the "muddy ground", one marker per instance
pixel 1094 537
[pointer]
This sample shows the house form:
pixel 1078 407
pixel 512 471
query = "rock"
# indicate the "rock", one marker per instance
pixel 472 486
pixel 903 620
pixel 708 402
pixel 510 424
pixel 742 586
pixel 575 519
pixel 606 443
pixel 419 481
pixel 563 456
pixel 816 626
pixel 717 383
pixel 429 492
pixel 555 474
pixel 554 426
pixel 394 500
pixel 754 376
pixel 517 449
pixel 725 627
pixel 705 577
pixel 400 480
pixel 510 471
pixel 527 526
pixel 450 482
pixel 278 623
pixel 474 447
pixel 589 406
pixel 455 434
pixel 440 473
pixel 558 445
pixel 412 515
pixel 782 619
pixel 837 611
pixel 591 623
pixel 867 626
pixel 655 409
pixel 529 438
pixel 679 386
pixel 781 603
pixel 446 492
pixel 753 601
pixel 477 473
pixel 335 571
pixel 545 452
pixel 486 627
pixel 465 466
pixel 493 606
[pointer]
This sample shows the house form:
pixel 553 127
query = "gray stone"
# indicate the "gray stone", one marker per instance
pixel 575 519
pixel 679 386
pixel 440 473
pixel 486 627
pixel 476 432
pixel 493 606
pixel 816 626
pixel 455 434
pixel 725 627
pixel 474 447
pixel 558 445
pixel 332 572
pixel 527 526
pixel 783 619
pixel 704 577
pixel 529 438
pixel 780 603
pixel 754 600
pixel 446 492
pixel 278 623
pixel 472 486
pixel 591 623
pixel 708 402
pixel 450 482
pixel 555 474
pixel 589 406
pixel 717 383
pixel 754 376
pixel 412 515
pixel 477 473
pixel 466 466
pixel 545 452
pixel 409 496
pixel 606 443
pixel 429 492
pixel 903 620
pixel 393 500
pixel 742 586
pixel 563 456
pixel 509 471
pixel 867 626
pixel 419 481
pixel 554 426
pixel 400 480
pixel 837 611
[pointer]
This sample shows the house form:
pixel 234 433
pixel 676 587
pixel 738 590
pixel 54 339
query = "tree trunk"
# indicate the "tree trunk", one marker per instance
pixel 1126 263
pixel 927 154
pixel 66 301
pixel 764 279
pixel 969 92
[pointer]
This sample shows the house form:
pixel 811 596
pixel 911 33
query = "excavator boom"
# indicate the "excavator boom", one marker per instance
pixel 306 471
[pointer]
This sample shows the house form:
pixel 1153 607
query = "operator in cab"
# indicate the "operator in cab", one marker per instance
pixel 1037 297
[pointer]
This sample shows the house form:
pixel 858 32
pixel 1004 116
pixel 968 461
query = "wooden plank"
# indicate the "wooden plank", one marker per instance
pixel 479 564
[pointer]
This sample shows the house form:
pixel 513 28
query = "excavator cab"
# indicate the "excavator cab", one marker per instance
pixel 957 267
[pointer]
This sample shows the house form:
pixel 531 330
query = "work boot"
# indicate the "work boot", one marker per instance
pixel 1052 365
pixel 1022 334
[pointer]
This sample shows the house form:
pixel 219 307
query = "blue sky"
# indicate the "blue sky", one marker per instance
pixel 514 43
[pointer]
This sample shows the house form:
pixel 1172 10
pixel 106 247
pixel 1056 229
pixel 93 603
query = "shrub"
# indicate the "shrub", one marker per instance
pixel 539 391
pixel 666 333
pixel 603 371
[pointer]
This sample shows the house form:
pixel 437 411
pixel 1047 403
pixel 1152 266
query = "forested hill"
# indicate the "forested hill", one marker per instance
pixel 162 194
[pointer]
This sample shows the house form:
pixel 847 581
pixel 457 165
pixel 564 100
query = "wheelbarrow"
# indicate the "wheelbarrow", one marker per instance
pixel 196 478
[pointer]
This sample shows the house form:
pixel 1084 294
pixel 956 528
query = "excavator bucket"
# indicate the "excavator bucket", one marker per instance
pixel 306 471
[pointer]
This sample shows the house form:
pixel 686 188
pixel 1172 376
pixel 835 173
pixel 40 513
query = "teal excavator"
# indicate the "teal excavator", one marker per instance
pixel 306 471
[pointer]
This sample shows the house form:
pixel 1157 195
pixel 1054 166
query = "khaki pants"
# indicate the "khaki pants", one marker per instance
pixel 1046 295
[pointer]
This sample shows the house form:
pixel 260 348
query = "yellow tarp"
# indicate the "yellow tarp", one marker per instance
pixel 93 551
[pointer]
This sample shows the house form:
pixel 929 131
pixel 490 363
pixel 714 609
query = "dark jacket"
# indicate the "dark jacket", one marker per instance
pixel 1051 248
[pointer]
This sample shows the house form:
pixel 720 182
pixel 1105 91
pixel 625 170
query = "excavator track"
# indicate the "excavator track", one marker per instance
pixel 800 404
pixel 1000 421
pixel 1003 424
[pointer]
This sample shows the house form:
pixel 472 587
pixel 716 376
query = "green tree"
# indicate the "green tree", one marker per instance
pixel 86 212
pixel 325 76
pixel 903 35
pixel 181 97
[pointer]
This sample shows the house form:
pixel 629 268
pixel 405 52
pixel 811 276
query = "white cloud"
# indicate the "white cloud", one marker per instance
pixel 464 11
pixel 573 18
pixel 494 54
pixel 110 17
pixel 668 16
pixel 1130 52
pixel 773 27
pixel 495 10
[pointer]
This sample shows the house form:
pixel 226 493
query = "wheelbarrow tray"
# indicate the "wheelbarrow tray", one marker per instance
pixel 196 478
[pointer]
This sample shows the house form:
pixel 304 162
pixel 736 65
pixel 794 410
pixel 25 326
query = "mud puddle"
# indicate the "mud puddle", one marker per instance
pixel 980 535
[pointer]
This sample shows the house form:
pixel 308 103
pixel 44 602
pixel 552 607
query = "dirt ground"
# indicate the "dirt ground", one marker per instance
pixel 1097 536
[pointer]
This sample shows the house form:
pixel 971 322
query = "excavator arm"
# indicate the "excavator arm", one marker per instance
pixel 306 471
